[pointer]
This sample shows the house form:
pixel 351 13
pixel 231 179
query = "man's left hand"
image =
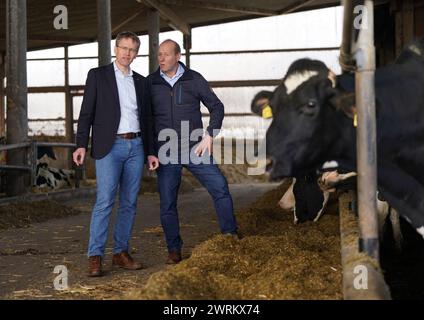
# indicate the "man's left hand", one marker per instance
pixel 204 145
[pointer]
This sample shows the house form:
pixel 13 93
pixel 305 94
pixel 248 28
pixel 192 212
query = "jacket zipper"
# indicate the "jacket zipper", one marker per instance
pixel 171 93
pixel 179 94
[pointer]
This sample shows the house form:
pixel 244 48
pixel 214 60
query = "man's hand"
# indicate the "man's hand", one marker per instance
pixel 153 162
pixel 205 144
pixel 78 156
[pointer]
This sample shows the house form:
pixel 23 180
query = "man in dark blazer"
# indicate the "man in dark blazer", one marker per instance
pixel 116 108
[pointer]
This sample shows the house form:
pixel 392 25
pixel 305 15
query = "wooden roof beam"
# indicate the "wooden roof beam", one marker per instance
pixel 296 6
pixel 54 39
pixel 175 21
pixel 127 20
pixel 220 7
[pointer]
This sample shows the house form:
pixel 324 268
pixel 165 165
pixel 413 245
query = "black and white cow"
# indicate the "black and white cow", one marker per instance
pixel 329 181
pixel 48 176
pixel 304 196
pixel 53 178
pixel 314 123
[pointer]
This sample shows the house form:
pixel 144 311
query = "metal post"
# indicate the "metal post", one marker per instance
pixel 17 114
pixel 34 156
pixel 187 47
pixel 366 136
pixel 2 94
pixel 346 61
pixel 104 31
pixel 69 112
pixel 153 17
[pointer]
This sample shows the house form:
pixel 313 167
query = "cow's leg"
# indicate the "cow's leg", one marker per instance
pixel 382 212
pixel 403 192
pixel 326 195
pixel 309 199
pixel 300 209
pixel 397 232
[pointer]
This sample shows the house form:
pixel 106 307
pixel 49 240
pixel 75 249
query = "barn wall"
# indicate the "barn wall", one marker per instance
pixel 419 21
pixel 396 23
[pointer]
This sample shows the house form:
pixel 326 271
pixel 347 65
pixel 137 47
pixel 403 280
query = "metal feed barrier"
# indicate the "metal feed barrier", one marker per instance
pixel 32 155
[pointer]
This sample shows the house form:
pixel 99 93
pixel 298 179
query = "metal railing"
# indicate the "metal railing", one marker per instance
pixel 32 156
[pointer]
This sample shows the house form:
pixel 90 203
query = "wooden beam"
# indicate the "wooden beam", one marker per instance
pixel 63 39
pixel 52 89
pixel 404 23
pixel 154 29
pixel 244 83
pixel 127 20
pixel 168 14
pixel 296 6
pixel 187 47
pixel 54 39
pixel 17 104
pixel 220 7
pixel 2 95
pixel 69 110
pixel 104 31
pixel 408 20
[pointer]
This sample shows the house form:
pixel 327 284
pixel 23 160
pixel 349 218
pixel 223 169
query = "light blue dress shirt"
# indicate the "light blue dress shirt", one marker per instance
pixel 129 121
pixel 174 79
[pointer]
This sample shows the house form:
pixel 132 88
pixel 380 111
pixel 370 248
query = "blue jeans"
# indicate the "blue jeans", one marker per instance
pixel 122 167
pixel 209 175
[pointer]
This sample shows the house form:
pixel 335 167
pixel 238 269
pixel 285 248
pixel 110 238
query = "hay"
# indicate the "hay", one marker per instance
pixel 23 214
pixel 274 260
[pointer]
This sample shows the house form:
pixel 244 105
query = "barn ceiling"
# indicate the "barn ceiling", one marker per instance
pixel 132 15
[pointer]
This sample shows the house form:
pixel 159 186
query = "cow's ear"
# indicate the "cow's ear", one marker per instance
pixel 345 102
pixel 260 101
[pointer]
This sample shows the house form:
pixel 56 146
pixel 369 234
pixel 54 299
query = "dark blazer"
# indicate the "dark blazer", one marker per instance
pixel 101 112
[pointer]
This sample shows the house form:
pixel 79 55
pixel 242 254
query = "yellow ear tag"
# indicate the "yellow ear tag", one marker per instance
pixel 267 112
pixel 355 120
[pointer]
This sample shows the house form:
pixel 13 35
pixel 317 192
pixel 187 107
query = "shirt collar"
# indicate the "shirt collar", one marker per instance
pixel 130 73
pixel 179 72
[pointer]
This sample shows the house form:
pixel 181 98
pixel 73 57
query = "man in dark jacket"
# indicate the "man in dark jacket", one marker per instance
pixel 115 107
pixel 176 93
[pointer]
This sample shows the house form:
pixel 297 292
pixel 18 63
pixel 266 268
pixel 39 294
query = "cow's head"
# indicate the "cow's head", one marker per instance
pixel 268 104
pixel 306 127
pixel 298 71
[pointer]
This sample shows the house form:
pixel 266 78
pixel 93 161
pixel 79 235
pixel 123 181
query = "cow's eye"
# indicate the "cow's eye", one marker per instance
pixel 312 103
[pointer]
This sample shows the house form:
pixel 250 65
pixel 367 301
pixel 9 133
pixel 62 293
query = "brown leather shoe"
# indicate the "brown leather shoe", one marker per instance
pixel 95 266
pixel 174 257
pixel 124 260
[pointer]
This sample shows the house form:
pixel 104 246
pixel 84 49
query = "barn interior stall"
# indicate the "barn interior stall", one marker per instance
pixel 395 24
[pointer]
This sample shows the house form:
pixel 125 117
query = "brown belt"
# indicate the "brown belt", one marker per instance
pixel 129 135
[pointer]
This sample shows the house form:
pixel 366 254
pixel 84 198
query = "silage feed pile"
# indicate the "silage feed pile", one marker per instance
pixel 23 214
pixel 275 259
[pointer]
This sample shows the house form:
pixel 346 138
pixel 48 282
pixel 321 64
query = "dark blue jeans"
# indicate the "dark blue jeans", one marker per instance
pixel 209 175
